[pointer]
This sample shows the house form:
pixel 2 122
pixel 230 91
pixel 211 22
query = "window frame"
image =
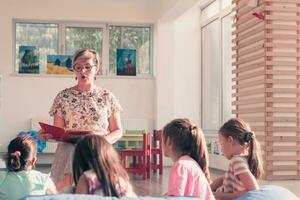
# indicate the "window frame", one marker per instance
pixel 222 13
pixel 62 25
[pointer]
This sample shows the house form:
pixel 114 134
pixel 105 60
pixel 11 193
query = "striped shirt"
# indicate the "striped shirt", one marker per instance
pixel 231 182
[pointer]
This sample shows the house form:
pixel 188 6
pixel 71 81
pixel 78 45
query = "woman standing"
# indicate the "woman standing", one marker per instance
pixel 83 107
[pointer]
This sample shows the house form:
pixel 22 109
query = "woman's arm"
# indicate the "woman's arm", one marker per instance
pixel 217 183
pixel 115 128
pixel 58 121
pixel 82 186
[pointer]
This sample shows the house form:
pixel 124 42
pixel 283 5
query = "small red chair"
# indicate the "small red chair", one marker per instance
pixel 157 152
pixel 142 156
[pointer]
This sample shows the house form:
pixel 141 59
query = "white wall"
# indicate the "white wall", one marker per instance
pixel 178 63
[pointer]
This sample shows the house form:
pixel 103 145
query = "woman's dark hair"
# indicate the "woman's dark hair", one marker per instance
pixel 241 132
pixel 94 152
pixel 188 139
pixel 19 151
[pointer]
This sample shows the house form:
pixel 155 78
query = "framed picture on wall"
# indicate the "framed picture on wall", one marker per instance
pixel 29 59
pixel 59 64
pixel 126 62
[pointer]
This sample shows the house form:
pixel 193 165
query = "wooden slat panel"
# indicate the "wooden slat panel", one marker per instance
pixel 283 72
pixel 251 66
pixel 282 110
pixel 249 92
pixel 282 148
pixel 282 54
pixel 282 177
pixel 283 90
pixel 282 63
pixel 249 110
pixel 283 167
pixel 284 129
pixel 282 8
pixel 282 119
pixel 282 27
pixel 245 85
pixel 249 101
pixel 248 51
pixel 249 76
pixel 282 45
pixel 283 100
pixel 282 17
pixel 283 158
pixel 282 138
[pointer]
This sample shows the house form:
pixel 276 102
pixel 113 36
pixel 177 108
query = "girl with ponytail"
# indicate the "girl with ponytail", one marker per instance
pixel 19 179
pixel 184 143
pixel 240 146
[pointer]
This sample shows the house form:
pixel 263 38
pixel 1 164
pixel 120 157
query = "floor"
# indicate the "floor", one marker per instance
pixel 155 186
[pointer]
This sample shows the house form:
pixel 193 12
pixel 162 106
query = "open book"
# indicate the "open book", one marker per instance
pixel 60 134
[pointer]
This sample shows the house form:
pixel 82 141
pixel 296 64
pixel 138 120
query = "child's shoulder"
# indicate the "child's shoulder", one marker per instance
pixel 238 159
pixel 38 176
pixel 186 162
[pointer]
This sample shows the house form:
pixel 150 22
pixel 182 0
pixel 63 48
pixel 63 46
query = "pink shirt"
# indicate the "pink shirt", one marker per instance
pixel 187 179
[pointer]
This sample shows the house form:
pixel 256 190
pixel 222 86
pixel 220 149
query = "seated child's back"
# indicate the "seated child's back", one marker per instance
pixel 19 179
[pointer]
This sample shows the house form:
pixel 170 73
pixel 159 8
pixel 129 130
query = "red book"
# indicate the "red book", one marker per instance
pixel 60 134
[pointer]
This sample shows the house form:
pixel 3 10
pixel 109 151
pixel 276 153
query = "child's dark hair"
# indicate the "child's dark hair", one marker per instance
pixel 188 139
pixel 96 153
pixel 19 151
pixel 241 132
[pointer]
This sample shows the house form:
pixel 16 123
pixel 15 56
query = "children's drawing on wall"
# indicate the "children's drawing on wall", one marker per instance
pixel 126 62
pixel 59 64
pixel 216 148
pixel 29 59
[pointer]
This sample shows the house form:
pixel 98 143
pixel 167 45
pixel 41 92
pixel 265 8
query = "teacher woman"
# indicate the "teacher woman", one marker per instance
pixel 83 107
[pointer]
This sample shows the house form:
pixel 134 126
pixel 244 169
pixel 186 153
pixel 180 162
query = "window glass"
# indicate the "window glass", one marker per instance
pixel 133 38
pixel 43 36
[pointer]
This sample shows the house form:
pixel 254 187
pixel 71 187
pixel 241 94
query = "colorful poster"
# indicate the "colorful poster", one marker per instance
pixel 126 62
pixel 29 60
pixel 59 64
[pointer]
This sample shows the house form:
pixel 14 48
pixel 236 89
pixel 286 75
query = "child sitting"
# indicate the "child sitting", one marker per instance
pixel 19 179
pixel 184 143
pixel 98 170
pixel 239 145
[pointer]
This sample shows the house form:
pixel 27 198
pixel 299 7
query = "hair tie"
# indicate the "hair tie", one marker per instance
pixel 249 136
pixel 17 153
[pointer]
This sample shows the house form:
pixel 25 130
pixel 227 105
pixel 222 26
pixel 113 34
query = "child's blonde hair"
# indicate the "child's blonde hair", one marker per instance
pixel 188 139
pixel 241 132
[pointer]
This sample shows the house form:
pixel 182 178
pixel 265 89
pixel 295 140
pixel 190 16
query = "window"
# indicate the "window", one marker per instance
pixel 65 38
pixel 216 44
pixel 130 37
pixel 44 36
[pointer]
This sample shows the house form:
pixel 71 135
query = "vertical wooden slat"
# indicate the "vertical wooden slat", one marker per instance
pixel 276 79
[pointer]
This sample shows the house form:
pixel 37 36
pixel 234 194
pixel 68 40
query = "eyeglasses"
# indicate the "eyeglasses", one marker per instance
pixel 86 67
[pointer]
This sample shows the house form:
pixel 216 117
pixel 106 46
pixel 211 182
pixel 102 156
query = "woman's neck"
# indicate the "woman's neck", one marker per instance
pixel 84 87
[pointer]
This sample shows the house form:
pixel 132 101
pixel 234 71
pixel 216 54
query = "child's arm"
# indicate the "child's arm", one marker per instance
pixel 217 183
pixel 50 187
pixel 82 186
pixel 249 182
pixel 228 196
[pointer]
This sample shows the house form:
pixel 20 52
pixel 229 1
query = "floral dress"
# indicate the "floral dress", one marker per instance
pixel 82 111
